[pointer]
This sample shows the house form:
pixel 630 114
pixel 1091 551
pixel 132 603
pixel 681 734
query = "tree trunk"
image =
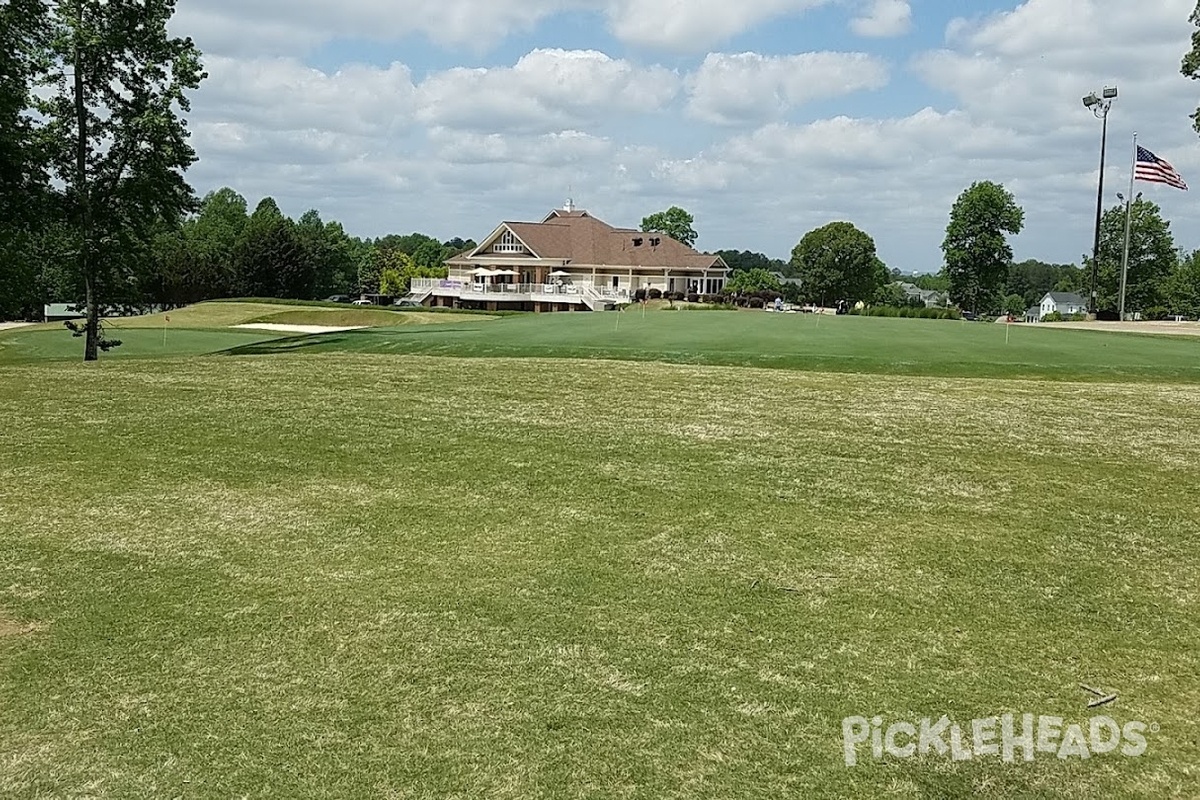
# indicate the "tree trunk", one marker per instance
pixel 91 346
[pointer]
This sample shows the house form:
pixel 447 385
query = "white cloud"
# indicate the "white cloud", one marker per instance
pixel 284 94
pixel 692 25
pixel 748 87
pixel 545 88
pixel 884 18
pixel 279 26
pixel 549 149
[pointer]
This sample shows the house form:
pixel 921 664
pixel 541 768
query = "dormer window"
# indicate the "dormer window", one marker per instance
pixel 508 243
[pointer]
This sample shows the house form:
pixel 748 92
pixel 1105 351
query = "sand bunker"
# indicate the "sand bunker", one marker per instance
pixel 281 328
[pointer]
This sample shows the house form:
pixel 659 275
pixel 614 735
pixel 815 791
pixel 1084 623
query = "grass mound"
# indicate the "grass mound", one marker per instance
pixel 351 317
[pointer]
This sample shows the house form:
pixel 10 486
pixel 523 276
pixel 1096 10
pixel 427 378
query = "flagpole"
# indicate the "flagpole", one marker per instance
pixel 1128 220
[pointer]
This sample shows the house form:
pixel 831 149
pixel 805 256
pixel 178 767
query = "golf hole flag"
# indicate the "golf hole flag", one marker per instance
pixel 1150 167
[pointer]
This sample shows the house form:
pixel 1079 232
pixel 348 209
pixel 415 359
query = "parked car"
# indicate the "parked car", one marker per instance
pixel 407 302
pixel 362 303
pixel 338 298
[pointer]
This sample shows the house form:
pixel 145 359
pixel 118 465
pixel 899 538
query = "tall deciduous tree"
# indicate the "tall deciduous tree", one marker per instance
pixel 674 222
pixel 1191 61
pixel 1152 257
pixel 1183 286
pixel 838 262
pixel 739 261
pixel 22 180
pixel 976 247
pixel 110 102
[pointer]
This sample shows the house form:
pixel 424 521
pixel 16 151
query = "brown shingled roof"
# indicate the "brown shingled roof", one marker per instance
pixel 580 238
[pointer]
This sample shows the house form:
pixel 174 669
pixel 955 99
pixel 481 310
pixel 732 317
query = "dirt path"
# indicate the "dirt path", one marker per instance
pixel 8 326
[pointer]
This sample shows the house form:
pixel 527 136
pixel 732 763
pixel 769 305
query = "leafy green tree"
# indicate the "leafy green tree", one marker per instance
pixel 744 260
pixel 838 262
pixel 890 294
pixel 1190 67
pixel 753 280
pixel 1015 305
pixel 933 283
pixel 109 99
pixel 210 240
pixel 428 255
pixel 674 222
pixel 976 250
pixel 269 258
pixel 1152 257
pixel 23 189
pixel 1183 286
pixel 1031 279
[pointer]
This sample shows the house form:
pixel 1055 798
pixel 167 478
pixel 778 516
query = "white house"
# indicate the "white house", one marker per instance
pixel 1065 303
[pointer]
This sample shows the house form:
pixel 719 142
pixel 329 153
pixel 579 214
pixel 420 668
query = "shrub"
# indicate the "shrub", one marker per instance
pixel 756 302
pixel 656 294
pixel 710 307
pixel 905 311
pixel 1155 312
pixel 1053 316
pixel 692 298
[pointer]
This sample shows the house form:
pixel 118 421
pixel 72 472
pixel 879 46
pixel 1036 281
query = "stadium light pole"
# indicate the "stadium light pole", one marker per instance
pixel 1100 107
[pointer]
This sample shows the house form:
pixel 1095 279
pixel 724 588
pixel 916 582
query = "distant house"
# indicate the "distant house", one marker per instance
pixel 1033 314
pixel 929 297
pixel 1065 303
pixel 57 312
pixel 785 280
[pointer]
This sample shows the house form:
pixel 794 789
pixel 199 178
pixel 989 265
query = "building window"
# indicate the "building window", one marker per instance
pixel 508 243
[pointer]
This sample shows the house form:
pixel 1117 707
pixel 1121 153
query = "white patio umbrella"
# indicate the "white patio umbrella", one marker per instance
pixel 506 272
pixel 483 272
pixel 558 273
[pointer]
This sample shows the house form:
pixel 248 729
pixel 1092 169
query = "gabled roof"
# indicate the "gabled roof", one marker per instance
pixel 579 238
pixel 1068 298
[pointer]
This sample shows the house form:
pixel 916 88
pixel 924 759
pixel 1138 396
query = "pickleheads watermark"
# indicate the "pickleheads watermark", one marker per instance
pixel 999 737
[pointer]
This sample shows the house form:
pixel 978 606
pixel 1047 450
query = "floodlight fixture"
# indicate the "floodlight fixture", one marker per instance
pixel 1090 100
pixel 1110 92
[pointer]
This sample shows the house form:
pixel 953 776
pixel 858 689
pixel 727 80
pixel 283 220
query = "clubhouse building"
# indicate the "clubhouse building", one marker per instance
pixel 570 261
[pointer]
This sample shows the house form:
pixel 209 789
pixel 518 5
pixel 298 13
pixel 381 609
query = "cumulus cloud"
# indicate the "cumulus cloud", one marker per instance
pixel 747 87
pixel 692 25
pixel 280 26
pixel 884 18
pixel 544 88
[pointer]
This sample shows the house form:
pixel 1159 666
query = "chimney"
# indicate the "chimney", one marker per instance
pixel 570 206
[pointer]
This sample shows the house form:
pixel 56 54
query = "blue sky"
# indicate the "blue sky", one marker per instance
pixel 764 118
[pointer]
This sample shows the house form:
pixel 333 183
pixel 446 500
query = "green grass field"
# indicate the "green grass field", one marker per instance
pixel 791 341
pixel 202 328
pixel 349 567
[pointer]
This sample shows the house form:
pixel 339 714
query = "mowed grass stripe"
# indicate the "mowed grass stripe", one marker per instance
pixel 793 341
pixel 361 575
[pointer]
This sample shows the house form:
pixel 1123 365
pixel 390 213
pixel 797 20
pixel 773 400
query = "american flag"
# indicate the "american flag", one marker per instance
pixel 1150 167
